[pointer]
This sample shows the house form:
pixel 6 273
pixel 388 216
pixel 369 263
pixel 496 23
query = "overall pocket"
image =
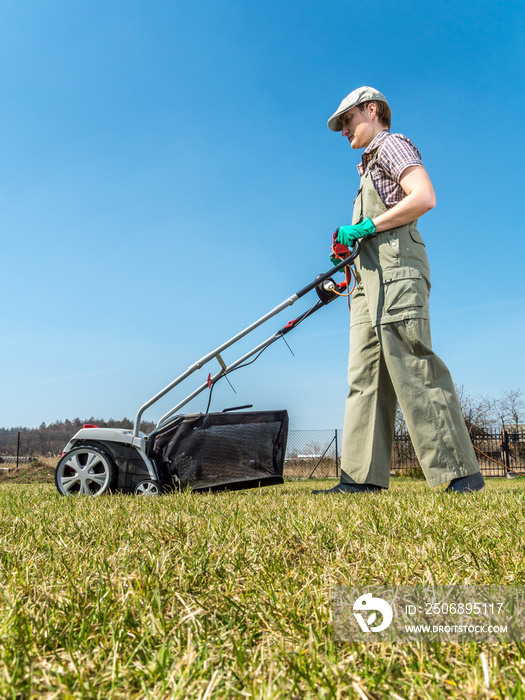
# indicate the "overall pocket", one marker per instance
pixel 404 289
pixel 416 236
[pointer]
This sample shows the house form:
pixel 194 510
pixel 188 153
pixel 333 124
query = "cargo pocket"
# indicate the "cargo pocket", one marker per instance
pixel 403 289
pixel 416 236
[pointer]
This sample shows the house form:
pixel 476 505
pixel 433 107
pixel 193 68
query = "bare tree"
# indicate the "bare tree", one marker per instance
pixel 400 424
pixel 478 411
pixel 511 407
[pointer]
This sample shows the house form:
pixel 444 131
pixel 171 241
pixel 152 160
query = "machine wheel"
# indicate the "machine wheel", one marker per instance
pixel 85 470
pixel 147 488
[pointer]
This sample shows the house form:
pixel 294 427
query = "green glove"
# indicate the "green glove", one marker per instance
pixel 348 234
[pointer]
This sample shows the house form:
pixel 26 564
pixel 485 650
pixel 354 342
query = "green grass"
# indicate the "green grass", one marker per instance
pixel 229 595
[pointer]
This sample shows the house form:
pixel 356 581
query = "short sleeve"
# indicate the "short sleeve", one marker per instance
pixel 397 154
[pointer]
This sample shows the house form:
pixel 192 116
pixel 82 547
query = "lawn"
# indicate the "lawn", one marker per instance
pixel 228 595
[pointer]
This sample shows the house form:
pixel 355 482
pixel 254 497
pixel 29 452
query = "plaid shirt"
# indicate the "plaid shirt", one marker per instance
pixel 395 153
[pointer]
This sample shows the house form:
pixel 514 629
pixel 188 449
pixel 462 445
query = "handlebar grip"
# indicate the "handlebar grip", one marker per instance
pixel 356 249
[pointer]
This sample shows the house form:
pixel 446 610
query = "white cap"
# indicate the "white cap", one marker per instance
pixel 356 97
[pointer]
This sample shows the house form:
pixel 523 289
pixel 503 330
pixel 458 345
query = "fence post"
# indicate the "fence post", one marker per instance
pixel 336 456
pixel 17 448
pixel 505 448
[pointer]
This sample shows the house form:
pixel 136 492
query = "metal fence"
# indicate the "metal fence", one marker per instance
pixel 501 453
pixel 309 454
pixel 26 446
pixel 312 453
pixel 316 453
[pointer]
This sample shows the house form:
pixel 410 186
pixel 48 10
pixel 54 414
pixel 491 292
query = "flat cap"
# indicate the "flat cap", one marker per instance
pixel 356 97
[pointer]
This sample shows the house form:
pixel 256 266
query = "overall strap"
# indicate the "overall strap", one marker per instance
pixel 367 201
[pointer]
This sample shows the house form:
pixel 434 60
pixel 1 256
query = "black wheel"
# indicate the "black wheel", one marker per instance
pixel 147 488
pixel 85 470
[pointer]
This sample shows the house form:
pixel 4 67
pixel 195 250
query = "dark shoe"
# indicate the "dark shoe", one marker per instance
pixel 349 488
pixel 465 484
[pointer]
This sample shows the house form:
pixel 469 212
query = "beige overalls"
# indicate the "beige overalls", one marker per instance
pixel 391 356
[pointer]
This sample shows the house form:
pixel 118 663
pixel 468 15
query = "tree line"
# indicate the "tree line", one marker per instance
pixel 72 426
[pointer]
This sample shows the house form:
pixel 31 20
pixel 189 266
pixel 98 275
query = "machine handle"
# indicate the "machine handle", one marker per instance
pixel 356 248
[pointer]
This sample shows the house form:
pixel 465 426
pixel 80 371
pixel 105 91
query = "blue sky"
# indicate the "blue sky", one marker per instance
pixel 167 177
